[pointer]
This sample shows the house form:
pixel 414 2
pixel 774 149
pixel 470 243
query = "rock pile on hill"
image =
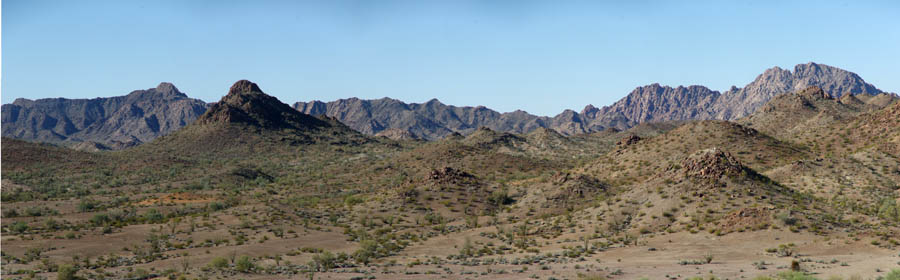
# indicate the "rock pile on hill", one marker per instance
pixel 711 164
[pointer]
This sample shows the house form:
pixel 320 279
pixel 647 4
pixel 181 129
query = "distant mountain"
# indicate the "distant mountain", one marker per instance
pixel 650 103
pixel 114 122
pixel 430 120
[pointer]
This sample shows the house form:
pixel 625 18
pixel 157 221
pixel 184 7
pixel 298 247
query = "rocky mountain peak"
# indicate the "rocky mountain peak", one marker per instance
pixel 247 103
pixel 243 86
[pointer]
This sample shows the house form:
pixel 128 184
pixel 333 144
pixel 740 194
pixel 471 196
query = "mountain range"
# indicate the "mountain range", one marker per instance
pixel 650 103
pixel 141 116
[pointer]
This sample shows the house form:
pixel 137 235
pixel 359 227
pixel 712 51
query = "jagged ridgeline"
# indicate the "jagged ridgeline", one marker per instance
pixel 126 121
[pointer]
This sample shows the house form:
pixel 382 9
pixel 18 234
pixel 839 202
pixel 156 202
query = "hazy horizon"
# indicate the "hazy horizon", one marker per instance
pixel 507 56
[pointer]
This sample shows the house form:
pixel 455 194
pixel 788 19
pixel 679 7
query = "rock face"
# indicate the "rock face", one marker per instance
pixel 651 103
pixel 114 122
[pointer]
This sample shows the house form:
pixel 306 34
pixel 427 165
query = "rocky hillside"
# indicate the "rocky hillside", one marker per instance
pixel 651 103
pixel 102 123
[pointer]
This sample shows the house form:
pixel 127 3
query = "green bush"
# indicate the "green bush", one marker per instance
pixel 18 227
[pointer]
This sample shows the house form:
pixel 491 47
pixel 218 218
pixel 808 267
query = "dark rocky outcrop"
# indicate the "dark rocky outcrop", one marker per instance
pixel 246 104
pixel 711 164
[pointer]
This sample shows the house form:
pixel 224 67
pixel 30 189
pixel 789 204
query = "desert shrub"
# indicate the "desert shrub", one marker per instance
pixel 786 217
pixel 244 264
pixel 18 227
pixel 218 263
pixel 66 272
pixel 467 250
pixel 893 275
pixel 889 210
pixel 51 224
pixel 100 219
pixel 352 200
pixel 10 213
pixel 324 261
pixel 434 218
pixel 86 205
pixel 367 251
pixel 215 206
pixel 499 197
pixel 153 216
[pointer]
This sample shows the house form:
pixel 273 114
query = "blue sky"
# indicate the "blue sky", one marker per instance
pixel 538 56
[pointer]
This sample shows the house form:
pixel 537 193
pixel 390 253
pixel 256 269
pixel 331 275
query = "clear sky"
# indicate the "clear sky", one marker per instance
pixel 538 56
